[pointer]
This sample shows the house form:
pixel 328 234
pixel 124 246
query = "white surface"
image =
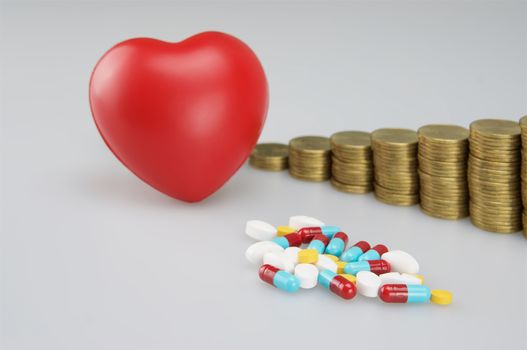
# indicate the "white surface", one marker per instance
pixel 279 260
pixel 94 259
pixel 325 263
pixel 260 230
pixel 368 284
pixel 301 221
pixel 397 278
pixel 292 254
pixel 401 261
pixel 256 251
pixel 307 274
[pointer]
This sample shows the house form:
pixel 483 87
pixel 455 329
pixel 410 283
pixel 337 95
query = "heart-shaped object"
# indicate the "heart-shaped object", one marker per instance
pixel 182 116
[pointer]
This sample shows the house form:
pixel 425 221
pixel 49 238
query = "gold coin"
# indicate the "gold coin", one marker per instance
pixel 311 144
pixel 496 128
pixel 350 188
pixel 270 156
pixel 271 150
pixel 496 228
pixel 396 138
pixel 395 199
pixel 443 133
pixel 351 139
pixel 443 215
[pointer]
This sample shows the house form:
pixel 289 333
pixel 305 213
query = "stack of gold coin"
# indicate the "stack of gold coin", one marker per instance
pixel 310 158
pixel 523 127
pixel 443 152
pixel 395 166
pixel 494 175
pixel 352 161
pixel 270 156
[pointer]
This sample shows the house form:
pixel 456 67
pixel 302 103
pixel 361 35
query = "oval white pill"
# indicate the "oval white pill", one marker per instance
pixel 368 284
pixel 292 254
pixel 256 251
pixel 260 230
pixel 307 274
pixel 401 261
pixel 397 278
pixel 300 221
pixel 278 260
pixel 326 263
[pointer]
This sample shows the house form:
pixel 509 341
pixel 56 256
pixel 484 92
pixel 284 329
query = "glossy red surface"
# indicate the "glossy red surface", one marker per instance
pixel 323 238
pixel 379 266
pixel 363 245
pixel 267 273
pixel 380 248
pixel 294 239
pixel 308 233
pixel 343 287
pixel 181 116
pixel 394 293
pixel 342 236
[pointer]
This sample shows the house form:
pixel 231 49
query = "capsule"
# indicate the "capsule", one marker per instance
pixel 337 284
pixel 378 267
pixel 404 293
pixel 279 278
pixel 319 242
pixel 289 240
pixel 309 232
pixel 374 253
pixel 337 244
pixel 355 251
pixel 284 230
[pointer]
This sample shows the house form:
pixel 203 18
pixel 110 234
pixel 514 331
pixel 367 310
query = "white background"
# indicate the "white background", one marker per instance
pixel 94 259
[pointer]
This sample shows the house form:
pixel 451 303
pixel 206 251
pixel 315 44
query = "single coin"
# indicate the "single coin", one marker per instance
pixel 395 137
pixel 351 139
pixel 443 133
pixel 271 150
pixel 496 128
pixel 311 144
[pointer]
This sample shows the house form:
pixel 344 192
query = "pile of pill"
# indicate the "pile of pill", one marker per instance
pixel 325 259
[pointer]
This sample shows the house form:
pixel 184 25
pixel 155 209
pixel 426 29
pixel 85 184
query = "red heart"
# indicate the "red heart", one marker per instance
pixel 181 116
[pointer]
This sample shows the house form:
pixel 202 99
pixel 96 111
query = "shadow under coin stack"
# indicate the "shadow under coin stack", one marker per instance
pixel 523 126
pixel 270 156
pixel 442 155
pixel 310 158
pixel 494 175
pixel 395 166
pixel 352 161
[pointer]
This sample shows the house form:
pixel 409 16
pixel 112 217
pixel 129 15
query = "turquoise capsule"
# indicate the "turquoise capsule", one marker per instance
pixel 418 293
pixel 319 243
pixel 374 253
pixel 325 276
pixel 337 244
pixel 329 231
pixel 353 268
pixel 378 267
pixel 281 241
pixel 279 278
pixel 286 281
pixel 355 252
